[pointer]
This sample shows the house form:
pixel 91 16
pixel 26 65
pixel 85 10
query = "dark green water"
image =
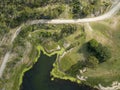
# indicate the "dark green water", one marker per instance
pixel 38 77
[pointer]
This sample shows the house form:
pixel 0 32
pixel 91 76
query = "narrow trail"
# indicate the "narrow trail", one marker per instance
pixel 89 27
pixel 114 9
pixel 107 15
pixel 4 63
pixel 16 33
pixel 6 57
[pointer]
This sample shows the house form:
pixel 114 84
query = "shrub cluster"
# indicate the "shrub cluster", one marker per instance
pixel 102 53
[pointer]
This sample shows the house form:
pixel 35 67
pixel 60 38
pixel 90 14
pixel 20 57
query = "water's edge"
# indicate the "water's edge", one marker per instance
pixel 39 49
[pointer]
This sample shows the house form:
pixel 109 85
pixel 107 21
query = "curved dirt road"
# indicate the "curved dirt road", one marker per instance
pixel 107 15
pixel 8 53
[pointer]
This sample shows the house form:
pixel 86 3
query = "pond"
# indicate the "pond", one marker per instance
pixel 38 77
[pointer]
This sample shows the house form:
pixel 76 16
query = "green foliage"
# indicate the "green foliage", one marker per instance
pixel 52 13
pixel 74 69
pixel 11 64
pixel 94 2
pixel 20 40
pixel 103 53
pixel 75 44
pixel 91 62
pixel 3 28
pixel 81 8
pixel 15 12
pixel 67 30
pixel 99 51
pixel 93 43
pixel 46 34
pixel 56 36
pixel 76 10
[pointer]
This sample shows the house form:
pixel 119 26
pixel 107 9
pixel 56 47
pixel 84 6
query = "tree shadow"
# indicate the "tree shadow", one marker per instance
pixel 84 50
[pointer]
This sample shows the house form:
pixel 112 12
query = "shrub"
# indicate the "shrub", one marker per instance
pixel 74 69
pixel 98 50
pixel 91 62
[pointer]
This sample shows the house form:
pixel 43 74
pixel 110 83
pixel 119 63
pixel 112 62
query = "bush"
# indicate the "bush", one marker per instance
pixel 91 62
pixel 100 52
pixel 68 30
pixel 74 69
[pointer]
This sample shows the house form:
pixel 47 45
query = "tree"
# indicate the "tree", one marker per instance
pixel 92 61
pixel 74 69
pixel 76 8
pixel 67 30
pixel 92 45
pixel 102 53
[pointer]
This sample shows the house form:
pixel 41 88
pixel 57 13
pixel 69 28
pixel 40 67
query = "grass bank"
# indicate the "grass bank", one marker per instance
pixel 39 49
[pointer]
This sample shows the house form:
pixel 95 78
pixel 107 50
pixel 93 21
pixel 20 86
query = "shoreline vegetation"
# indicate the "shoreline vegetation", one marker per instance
pixel 55 73
pixel 105 32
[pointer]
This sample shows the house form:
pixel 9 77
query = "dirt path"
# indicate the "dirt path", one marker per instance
pixel 107 15
pixel 4 63
pixel 6 57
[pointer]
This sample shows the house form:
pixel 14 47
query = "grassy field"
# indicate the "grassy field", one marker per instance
pixel 108 33
pixel 69 59
pixel 105 73
pixel 108 71
pixel 72 56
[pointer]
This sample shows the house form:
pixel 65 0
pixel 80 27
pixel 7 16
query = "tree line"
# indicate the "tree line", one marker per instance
pixel 15 12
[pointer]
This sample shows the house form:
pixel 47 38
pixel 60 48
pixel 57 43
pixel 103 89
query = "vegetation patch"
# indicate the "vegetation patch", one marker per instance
pixel 102 53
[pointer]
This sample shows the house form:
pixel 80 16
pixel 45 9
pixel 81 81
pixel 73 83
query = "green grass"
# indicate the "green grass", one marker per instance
pixel 66 62
pixel 107 72
pixel 70 59
pixel 50 45
pixel 101 27
pixel 104 73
